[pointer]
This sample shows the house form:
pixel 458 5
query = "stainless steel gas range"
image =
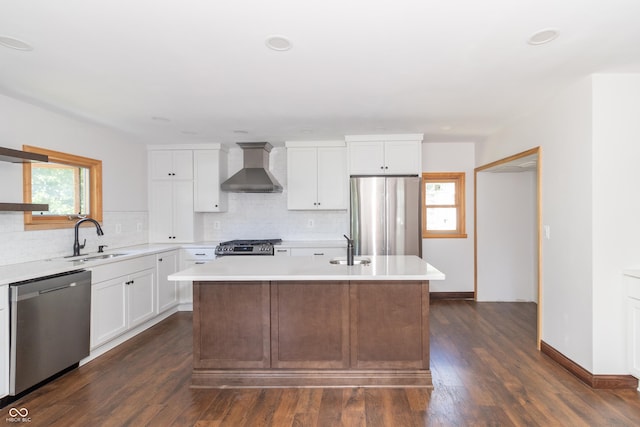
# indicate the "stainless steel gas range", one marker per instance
pixel 247 247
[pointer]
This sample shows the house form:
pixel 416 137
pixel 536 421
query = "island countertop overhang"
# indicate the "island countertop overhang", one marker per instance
pixel 309 268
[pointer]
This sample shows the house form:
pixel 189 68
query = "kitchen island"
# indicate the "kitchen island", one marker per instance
pixel 303 322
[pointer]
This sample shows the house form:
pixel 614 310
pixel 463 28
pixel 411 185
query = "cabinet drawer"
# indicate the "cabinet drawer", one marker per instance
pixel 281 251
pixel 199 253
pixel 121 268
pixel 318 251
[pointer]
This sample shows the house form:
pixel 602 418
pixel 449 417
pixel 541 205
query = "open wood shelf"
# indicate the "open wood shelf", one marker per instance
pixel 17 156
pixel 23 207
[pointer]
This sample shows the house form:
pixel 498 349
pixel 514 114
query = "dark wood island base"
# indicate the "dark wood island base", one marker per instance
pixel 311 334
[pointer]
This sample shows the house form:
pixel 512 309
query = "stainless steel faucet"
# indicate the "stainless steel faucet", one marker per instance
pixel 349 250
pixel 76 243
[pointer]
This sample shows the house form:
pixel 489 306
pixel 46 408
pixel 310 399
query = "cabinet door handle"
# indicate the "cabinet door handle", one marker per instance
pixel 386 167
pixel 381 167
pixel 318 253
pixel 200 254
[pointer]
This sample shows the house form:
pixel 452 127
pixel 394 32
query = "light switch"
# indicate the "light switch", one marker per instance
pixel 547 232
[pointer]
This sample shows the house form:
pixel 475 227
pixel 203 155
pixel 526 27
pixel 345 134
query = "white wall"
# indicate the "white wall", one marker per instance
pixel 454 257
pixel 589 135
pixel 616 210
pixel 124 181
pixel 264 216
pixel 563 130
pixel 507 236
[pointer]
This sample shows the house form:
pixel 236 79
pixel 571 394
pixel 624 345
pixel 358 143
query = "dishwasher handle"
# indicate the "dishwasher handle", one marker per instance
pixel 59 288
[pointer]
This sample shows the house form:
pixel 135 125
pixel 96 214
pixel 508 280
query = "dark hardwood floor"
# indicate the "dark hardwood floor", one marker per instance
pixel 486 371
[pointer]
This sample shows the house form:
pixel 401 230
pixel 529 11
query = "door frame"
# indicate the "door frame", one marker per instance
pixel 538 151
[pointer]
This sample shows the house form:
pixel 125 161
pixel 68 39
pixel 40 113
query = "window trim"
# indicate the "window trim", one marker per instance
pixel 36 222
pixel 459 179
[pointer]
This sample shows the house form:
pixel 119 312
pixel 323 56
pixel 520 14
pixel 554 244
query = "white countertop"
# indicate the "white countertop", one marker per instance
pixel 247 268
pixel 31 270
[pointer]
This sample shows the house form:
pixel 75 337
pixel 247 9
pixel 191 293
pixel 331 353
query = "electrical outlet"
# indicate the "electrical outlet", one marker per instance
pixel 310 223
pixel 139 227
pixel 216 225
pixel 118 228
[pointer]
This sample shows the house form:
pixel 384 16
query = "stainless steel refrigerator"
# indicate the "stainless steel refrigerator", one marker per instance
pixel 386 215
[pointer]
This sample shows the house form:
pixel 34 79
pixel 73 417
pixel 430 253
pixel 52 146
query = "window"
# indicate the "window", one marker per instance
pixel 443 212
pixel 71 185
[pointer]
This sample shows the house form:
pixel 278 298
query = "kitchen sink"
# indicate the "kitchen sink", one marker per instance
pixel 356 261
pixel 96 257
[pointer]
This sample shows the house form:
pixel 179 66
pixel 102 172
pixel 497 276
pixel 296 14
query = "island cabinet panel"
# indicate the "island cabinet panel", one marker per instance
pixel 389 325
pixel 306 333
pixel 310 325
pixel 231 325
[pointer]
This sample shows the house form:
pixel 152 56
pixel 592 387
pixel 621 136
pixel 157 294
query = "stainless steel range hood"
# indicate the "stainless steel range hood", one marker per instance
pixel 254 177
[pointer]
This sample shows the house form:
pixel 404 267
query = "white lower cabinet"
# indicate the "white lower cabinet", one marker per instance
pixel 4 340
pixel 140 297
pixel 123 302
pixel 108 311
pixel 166 264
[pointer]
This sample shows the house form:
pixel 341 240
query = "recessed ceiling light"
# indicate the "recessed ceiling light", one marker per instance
pixel 160 119
pixel 543 36
pixel 14 43
pixel 279 43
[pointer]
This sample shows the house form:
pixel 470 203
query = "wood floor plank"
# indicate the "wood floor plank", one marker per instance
pixel 485 366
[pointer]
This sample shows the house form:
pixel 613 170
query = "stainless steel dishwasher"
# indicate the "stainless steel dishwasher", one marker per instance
pixel 50 327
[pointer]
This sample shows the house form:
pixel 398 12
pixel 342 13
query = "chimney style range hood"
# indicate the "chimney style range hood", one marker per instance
pixel 254 177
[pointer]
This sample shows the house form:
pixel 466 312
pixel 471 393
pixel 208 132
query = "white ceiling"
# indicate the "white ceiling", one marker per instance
pixel 452 69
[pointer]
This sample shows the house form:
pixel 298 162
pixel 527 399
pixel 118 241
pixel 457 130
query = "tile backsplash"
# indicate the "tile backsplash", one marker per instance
pixel 120 229
pixel 265 215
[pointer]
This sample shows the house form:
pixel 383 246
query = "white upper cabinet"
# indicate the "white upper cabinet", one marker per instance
pixel 385 154
pixel 171 214
pixel 210 170
pixel 317 175
pixel 171 164
pixel 171 217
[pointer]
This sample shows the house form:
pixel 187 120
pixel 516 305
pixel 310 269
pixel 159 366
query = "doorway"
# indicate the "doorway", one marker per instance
pixel 508 231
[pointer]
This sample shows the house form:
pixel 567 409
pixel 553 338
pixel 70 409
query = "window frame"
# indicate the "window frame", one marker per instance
pixel 48 222
pixel 458 178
